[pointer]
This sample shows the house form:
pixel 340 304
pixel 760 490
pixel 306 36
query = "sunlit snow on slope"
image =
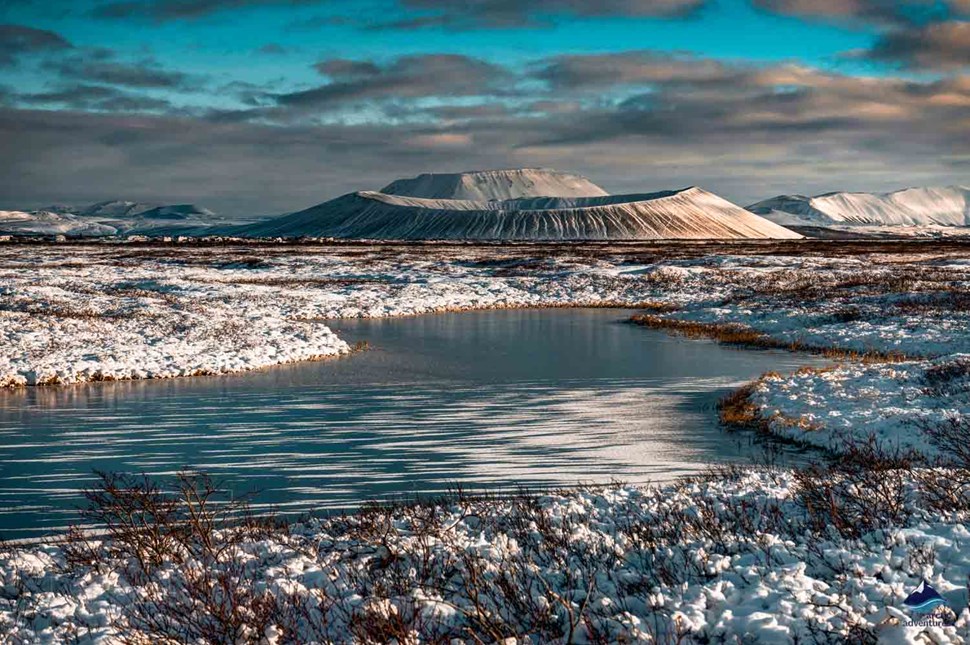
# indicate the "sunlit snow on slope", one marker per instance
pixel 691 213
pixel 948 206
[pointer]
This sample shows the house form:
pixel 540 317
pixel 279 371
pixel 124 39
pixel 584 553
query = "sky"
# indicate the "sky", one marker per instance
pixel 257 107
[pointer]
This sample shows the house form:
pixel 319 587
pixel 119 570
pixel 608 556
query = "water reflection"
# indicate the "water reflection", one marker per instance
pixel 543 397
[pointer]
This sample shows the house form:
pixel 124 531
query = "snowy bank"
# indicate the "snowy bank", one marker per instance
pixel 742 556
pixel 77 313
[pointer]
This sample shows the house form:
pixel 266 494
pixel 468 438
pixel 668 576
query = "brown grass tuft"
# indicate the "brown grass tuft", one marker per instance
pixel 741 335
pixel 737 412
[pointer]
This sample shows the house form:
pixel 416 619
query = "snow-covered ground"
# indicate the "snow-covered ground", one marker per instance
pixel 739 557
pixel 895 403
pixel 485 185
pixel 75 313
pixel 79 313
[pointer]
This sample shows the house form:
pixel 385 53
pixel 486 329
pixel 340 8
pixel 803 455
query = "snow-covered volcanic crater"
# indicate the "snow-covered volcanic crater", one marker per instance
pixel 912 207
pixel 519 204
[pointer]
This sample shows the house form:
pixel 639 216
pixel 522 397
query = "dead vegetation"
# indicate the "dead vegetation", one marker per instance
pixel 194 557
pixel 743 336
pixel 947 377
pixel 736 411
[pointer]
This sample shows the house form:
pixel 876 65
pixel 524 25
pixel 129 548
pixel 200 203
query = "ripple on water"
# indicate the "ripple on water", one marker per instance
pixel 537 397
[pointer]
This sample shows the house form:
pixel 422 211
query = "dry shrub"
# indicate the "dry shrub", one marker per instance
pixel 183 548
pixel 953 299
pixel 947 377
pixel 846 315
pixel 945 487
pixel 865 488
pixel 197 576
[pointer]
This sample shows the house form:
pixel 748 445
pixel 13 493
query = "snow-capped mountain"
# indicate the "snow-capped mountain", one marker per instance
pixel 110 218
pixel 51 223
pixel 691 213
pixel 946 206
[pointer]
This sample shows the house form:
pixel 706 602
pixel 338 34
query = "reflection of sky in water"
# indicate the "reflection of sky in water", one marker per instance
pixel 542 397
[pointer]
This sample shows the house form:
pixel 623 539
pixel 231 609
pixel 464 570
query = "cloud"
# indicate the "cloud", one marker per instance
pixel 942 46
pixel 163 10
pixel 915 34
pixel 342 68
pixel 102 66
pixel 473 14
pixel 885 12
pixel 638 67
pixel 96 98
pixel 408 77
pixel 274 49
pixel 470 14
pixel 18 40
pixel 440 140
pixel 232 167
pixel 748 131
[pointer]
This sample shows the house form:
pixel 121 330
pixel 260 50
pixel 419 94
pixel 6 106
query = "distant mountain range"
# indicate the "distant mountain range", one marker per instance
pixel 525 204
pixel 110 218
pixel 912 207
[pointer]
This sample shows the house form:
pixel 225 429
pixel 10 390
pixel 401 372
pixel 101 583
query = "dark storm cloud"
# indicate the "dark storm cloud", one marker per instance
pixel 407 77
pixel 18 40
pixel 937 46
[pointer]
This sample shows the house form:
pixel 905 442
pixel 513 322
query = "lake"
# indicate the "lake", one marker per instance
pixel 486 399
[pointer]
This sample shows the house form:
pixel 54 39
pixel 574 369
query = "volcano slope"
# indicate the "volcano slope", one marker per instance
pixel 691 213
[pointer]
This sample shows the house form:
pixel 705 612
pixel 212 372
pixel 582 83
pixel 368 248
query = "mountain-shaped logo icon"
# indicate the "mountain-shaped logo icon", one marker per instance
pixel 924 599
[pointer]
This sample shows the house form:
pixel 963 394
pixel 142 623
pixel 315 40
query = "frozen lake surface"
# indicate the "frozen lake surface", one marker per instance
pixel 485 399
